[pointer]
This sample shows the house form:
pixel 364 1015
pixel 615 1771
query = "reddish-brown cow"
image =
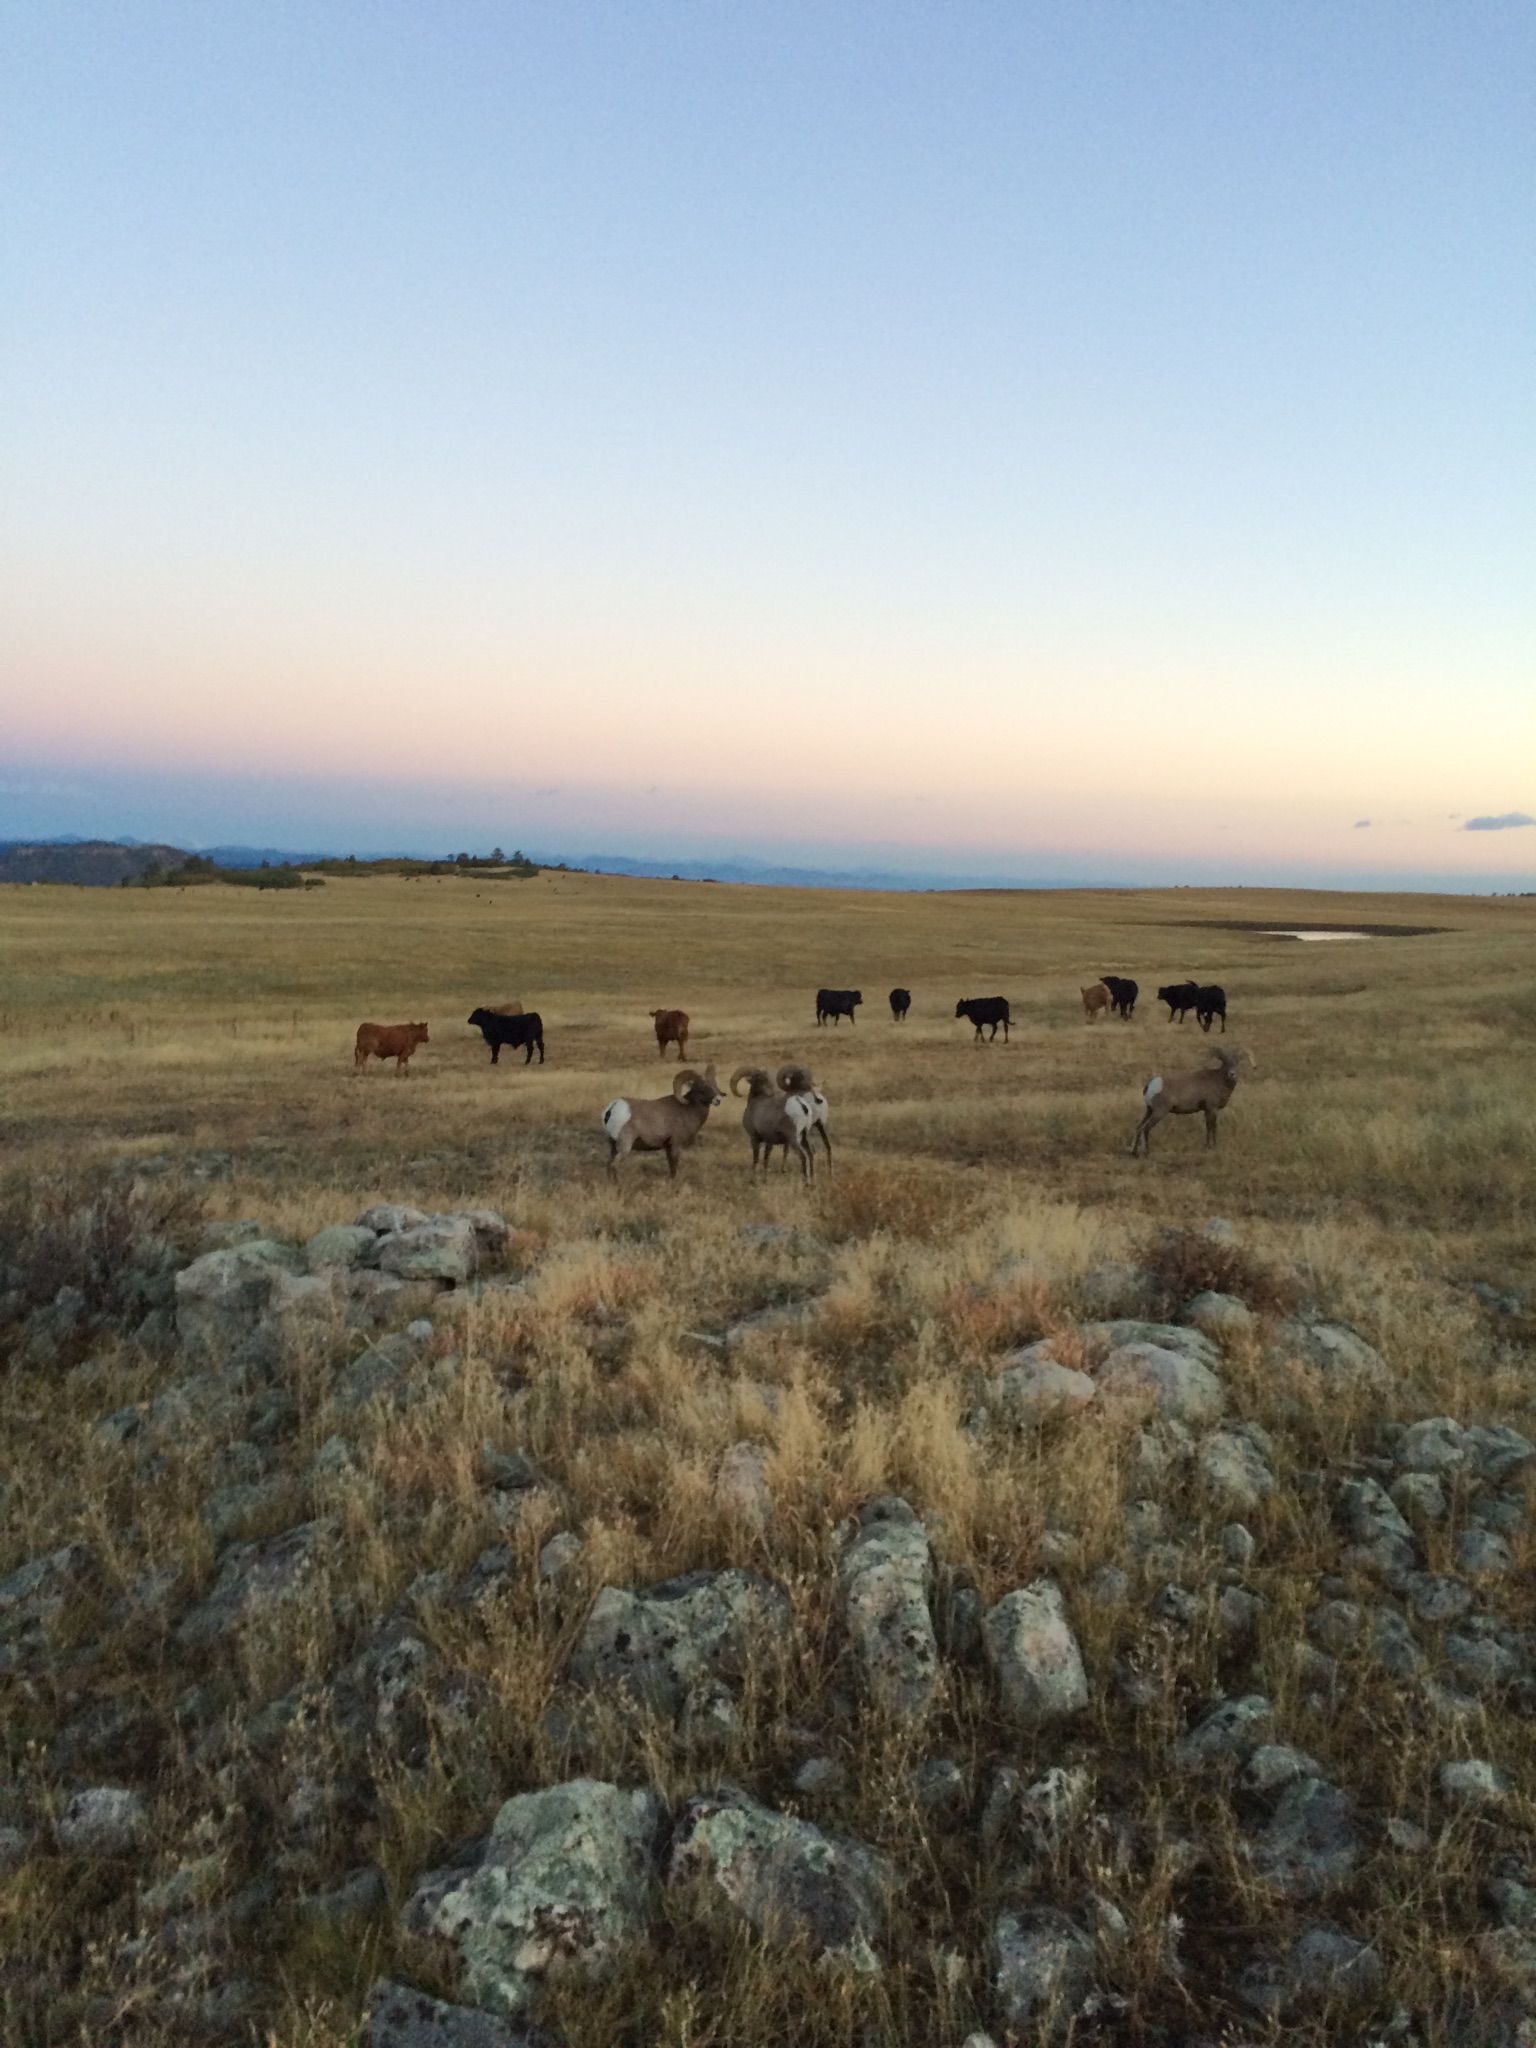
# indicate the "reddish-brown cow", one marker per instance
pixel 388 1042
pixel 671 1028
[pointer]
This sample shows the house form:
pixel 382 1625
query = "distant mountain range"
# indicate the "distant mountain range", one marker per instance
pixel 102 863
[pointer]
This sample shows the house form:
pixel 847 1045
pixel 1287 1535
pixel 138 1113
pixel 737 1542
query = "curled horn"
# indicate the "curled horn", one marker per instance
pixel 746 1074
pixel 683 1081
pixel 795 1080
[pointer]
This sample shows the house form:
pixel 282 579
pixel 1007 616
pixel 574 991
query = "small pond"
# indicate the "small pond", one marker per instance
pixel 1314 935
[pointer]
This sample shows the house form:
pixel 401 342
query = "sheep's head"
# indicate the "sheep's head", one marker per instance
pixel 698 1091
pixel 795 1080
pixel 756 1078
pixel 1228 1059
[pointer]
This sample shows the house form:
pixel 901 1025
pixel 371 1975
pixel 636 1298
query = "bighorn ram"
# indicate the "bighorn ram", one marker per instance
pixel 773 1117
pixel 805 1102
pixel 665 1124
pixel 1208 1089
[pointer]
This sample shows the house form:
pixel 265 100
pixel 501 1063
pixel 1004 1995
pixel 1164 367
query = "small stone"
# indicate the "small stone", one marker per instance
pixel 1237 1545
pixel 1480 1660
pixel 1175 1606
pixel 1436 1599
pixel 1109 1586
pixel 508 1468
pixel 1472 1782
pixel 1229 1729
pixel 105 1821
pixel 1311 1845
pixel 1337 1352
pixel 1035 1655
pixel 818 1774
pixel 1483 1553
pixel 741 1485
pixel 1273 1766
pixel 659 1643
pixel 1407 1836
pixel 1222 1316
pixel 14 1848
pixel 1238 1612
pixel 1044 1968
pixel 1233 1472
pixel 344 1244
pixel 1515 1903
pixel 938 1785
pixel 363 1892
pixel 558 1555
pixel 1498 1453
pixel 1436 1445
pixel 1419 1497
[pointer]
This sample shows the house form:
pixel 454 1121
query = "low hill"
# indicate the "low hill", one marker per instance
pixel 89 863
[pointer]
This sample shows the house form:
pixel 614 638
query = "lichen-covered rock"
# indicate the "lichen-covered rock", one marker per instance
pixel 1234 1471
pixel 443 1248
pixel 344 1244
pixel 1101 1338
pixel 1044 1969
pixel 254 1579
pixel 1339 1353
pixel 1471 1781
pixel 398 2017
pixel 1179 1386
pixel 107 1820
pixel 384 1218
pixel 1382 1539
pixel 1324 1967
pixel 886 1573
pixel 789 1880
pixel 1221 1316
pixel 659 1643
pixel 1419 1498
pixel 1438 1444
pixel 561 1882
pixel 1230 1729
pixel 1033 1387
pixel 37 1593
pixel 1498 1453
pixel 221 1297
pixel 1483 1553
pixel 1311 1843
pixel 1031 1647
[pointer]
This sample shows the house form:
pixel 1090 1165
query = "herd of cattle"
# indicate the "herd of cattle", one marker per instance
pixel 786 1111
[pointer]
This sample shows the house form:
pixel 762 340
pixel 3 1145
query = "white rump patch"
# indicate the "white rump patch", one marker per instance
pixel 616 1116
pixel 1153 1087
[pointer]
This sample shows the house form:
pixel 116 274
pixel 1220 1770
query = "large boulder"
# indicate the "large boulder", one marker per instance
pixel 256 1579
pixel 1180 1386
pixel 886 1572
pixel 1110 1336
pixel 444 1248
pixel 221 1297
pixel 1031 1648
pixel 561 1883
pixel 1044 1968
pixel 789 1880
pixel 680 1637
pixel 344 1244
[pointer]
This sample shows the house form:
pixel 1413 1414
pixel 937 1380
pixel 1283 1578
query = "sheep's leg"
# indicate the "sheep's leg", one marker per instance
pixel 1210 1127
pixel 670 1148
pixel 807 1158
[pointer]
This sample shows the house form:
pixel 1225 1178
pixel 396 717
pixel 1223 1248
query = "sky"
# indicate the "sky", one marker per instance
pixel 1074 439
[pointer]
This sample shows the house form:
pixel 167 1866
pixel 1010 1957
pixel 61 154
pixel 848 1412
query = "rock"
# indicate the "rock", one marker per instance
pixel 1109 1585
pixel 15 1847
pixel 492 1231
pixel 1237 1545
pixel 223 1296
pixel 1238 1612
pixel 1498 1453
pixel 1515 1903
pixel 1483 1553
pixel 387 1370
pixel 1324 1967
pixel 1221 1316
pixel 938 1785
pixel 1050 1807
pixel 385 1218
pixel 559 1554
pixel 1434 1599
pixel 659 1643
pixel 741 1485
pixel 561 1882
pixel 1339 1353
pixel 363 1892
pixel 817 1774
pixel 1481 1661
pixel 1179 1386
pixel 885 1574
pixel 1044 1968
pixel 487 1576
pixel 1034 1389
pixel 1233 1471
pixel 1407 1836
pixel 1419 1497
pixel 1228 1730
pixel 1036 1658
pixel 1273 1766
pixel 790 1881
pixel 37 1592
pixel 1392 1644
pixel 1502 1511
pixel 1336 1626
pixel 1381 1537
pixel 508 1468
pixel 1472 1782
pixel 1311 1844
pixel 344 1244
pixel 1511 1953
pixel 1175 1337
pixel 120 1427
pixel 442 1248
pixel 104 1821
pixel 1175 1606
pixel 397 2017
pixel 234 1509
pixel 254 1579
pixel 1436 1445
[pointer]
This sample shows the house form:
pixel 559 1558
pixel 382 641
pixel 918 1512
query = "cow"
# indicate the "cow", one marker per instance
pixel 1211 1003
pixel 505 1009
pixel 901 1002
pixel 837 1003
pixel 388 1042
pixel 498 1029
pixel 1180 997
pixel 982 1010
pixel 1123 994
pixel 671 1029
pixel 1096 1000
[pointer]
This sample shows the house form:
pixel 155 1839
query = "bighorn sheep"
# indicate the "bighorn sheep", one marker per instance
pixel 1208 1089
pixel 671 1029
pixel 1096 1001
pixel 805 1102
pixel 773 1117
pixel 665 1124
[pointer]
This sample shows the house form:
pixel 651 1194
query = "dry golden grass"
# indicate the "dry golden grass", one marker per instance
pixel 1377 1160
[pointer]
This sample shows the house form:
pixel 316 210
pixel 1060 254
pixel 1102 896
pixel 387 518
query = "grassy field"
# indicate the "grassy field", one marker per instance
pixel 1377 1161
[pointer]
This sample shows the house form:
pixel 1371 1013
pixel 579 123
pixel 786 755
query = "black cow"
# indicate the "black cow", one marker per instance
pixel 1180 996
pixel 498 1031
pixel 1211 1003
pixel 982 1010
pixel 901 1002
pixel 1122 994
pixel 836 1003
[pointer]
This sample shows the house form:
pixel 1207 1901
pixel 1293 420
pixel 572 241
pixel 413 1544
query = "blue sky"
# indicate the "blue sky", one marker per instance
pixel 1090 435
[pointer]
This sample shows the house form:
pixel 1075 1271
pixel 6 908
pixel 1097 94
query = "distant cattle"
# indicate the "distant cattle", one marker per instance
pixel 1096 1001
pixel 837 1003
pixel 1211 1003
pixel 1122 993
pixel 901 1002
pixel 499 1029
pixel 1180 997
pixel 983 1010
pixel 671 1029
pixel 388 1042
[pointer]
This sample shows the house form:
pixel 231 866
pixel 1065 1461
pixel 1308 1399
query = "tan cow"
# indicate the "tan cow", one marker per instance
pixel 1096 1001
pixel 388 1042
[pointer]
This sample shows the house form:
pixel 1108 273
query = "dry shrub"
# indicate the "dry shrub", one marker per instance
pixel 902 1198
pixel 1183 1263
pixel 110 1238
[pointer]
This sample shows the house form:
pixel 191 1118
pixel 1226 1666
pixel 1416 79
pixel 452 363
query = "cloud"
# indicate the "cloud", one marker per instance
pixel 1505 822
pixel 1361 823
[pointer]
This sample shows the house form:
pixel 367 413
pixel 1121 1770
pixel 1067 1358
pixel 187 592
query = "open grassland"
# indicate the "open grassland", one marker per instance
pixel 191 1051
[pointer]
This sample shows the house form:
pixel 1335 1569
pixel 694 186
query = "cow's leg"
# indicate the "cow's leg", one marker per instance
pixel 496 1053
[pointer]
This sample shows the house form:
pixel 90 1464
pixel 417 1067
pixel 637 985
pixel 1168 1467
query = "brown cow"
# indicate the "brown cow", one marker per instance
pixel 671 1026
pixel 388 1042
pixel 1096 1001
